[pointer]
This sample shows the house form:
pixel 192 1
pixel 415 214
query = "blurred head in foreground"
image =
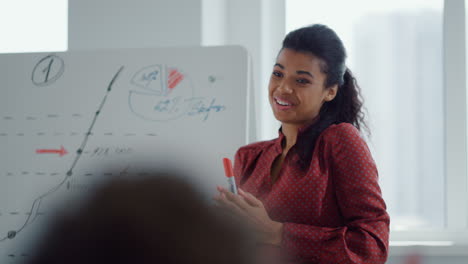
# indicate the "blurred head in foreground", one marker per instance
pixel 158 219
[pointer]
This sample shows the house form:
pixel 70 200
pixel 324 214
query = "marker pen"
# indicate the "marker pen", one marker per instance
pixel 230 175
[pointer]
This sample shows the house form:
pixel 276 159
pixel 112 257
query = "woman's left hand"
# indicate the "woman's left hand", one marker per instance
pixel 252 209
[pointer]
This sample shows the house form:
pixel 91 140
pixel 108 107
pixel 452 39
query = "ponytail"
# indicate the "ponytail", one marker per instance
pixel 347 104
pixel 323 42
pixel 345 107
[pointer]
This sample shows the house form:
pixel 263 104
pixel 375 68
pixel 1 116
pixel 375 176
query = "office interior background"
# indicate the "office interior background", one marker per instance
pixel 409 57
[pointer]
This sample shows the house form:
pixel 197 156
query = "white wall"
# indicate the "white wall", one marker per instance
pixel 133 24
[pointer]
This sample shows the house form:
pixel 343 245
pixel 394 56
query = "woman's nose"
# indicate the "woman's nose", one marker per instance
pixel 283 87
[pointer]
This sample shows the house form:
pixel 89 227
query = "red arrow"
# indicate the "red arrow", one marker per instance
pixel 62 151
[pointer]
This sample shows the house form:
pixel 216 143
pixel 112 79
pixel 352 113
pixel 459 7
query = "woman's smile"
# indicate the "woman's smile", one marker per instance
pixel 283 104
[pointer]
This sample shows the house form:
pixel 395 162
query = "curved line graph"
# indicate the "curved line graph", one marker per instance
pixel 34 211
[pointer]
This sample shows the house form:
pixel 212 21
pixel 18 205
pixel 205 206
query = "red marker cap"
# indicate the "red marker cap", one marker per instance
pixel 228 167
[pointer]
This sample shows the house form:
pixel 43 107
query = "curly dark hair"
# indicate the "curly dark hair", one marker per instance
pixel 324 43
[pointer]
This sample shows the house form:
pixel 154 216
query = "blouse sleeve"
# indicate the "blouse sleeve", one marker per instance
pixel 238 170
pixel 364 236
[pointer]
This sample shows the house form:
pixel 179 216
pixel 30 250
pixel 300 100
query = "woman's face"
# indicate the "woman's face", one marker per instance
pixel 296 89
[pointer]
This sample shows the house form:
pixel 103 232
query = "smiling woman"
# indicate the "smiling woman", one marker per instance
pixel 312 194
pixel 296 92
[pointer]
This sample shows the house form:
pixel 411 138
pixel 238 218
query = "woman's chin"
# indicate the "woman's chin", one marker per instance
pixel 284 119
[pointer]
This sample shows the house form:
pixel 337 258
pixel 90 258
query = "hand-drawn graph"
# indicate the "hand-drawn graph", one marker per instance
pixel 69 121
pixel 36 204
pixel 168 95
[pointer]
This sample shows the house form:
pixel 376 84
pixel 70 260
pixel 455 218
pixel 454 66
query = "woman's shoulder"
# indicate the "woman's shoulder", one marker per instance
pixel 256 146
pixel 340 132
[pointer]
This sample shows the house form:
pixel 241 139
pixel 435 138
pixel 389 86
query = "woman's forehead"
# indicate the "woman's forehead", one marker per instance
pixel 296 60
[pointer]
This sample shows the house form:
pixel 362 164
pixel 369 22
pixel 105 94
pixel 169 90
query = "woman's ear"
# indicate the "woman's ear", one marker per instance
pixel 331 93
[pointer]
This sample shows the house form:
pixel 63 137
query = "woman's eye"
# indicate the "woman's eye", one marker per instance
pixel 302 81
pixel 277 74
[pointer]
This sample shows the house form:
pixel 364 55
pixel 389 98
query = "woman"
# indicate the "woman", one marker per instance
pixel 312 193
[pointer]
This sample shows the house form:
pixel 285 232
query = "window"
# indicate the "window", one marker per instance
pixel 395 50
pixel 33 26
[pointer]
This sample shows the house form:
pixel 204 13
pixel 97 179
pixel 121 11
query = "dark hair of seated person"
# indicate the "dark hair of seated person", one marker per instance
pixel 158 219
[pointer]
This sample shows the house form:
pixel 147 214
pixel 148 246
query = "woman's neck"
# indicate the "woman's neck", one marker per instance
pixel 290 133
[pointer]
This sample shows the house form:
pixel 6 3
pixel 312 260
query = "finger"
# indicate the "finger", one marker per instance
pixel 233 206
pixel 248 214
pixel 250 199
pixel 217 197
pixel 238 201
pixel 224 201
pixel 222 189
pixel 218 200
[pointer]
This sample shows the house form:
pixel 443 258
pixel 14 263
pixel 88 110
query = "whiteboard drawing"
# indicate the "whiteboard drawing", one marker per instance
pixel 48 70
pixel 70 120
pixel 34 212
pixel 169 95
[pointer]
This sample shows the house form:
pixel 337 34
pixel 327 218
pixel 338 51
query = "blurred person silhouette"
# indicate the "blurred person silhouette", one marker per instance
pixel 156 219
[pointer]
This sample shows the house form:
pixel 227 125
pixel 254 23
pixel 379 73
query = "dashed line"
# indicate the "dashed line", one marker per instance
pixel 21 134
pixel 21 213
pixel 40 173
pixel 24 255
pixel 32 118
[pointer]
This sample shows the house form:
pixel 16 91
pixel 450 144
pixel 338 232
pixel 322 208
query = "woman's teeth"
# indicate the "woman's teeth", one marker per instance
pixel 282 102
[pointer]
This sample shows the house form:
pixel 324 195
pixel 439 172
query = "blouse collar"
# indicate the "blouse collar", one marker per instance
pixel 301 131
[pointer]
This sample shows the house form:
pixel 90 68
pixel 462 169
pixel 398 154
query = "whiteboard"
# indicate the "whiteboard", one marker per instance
pixel 65 118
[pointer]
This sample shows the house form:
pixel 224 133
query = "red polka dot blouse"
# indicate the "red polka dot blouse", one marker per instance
pixel 333 212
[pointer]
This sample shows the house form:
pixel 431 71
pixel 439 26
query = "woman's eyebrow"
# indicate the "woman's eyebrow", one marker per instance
pixel 298 72
pixel 305 72
pixel 279 65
